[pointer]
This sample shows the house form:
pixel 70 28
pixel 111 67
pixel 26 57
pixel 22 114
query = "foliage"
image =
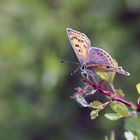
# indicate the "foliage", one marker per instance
pixel 115 97
pixel 34 86
pixel 98 84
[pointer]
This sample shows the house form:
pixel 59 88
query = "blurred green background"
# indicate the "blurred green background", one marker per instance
pixel 35 88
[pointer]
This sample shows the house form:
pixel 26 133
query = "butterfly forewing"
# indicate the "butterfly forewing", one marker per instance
pixel 80 44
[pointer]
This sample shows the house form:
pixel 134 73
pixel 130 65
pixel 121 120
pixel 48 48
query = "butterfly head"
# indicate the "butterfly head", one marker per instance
pixel 82 68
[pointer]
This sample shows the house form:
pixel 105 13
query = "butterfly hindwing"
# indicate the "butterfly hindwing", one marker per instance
pixel 80 44
pixel 99 56
pixel 120 70
pixel 101 61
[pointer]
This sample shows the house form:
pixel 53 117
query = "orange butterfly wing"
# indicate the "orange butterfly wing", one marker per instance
pixel 80 44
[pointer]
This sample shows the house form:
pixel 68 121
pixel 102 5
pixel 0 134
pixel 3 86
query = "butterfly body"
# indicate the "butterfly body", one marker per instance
pixel 92 58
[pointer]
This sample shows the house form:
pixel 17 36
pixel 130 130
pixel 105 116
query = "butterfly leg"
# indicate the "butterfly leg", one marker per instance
pixel 90 75
pixel 94 76
pixel 83 73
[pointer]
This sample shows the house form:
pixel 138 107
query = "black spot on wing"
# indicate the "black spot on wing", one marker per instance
pixel 76 45
pixel 74 37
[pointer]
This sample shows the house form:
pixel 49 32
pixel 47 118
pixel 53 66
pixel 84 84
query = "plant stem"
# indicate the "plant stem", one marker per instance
pixel 113 97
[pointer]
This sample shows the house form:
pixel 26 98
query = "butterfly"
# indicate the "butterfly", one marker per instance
pixel 92 58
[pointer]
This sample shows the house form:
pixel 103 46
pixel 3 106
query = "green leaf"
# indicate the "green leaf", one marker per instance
pixel 112 136
pixel 107 76
pixel 94 114
pixel 111 76
pixel 120 92
pixel 102 75
pixel 106 138
pixel 95 104
pixel 133 124
pixel 120 108
pixel 138 87
pixel 113 116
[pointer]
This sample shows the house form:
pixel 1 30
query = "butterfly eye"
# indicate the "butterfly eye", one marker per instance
pixel 82 68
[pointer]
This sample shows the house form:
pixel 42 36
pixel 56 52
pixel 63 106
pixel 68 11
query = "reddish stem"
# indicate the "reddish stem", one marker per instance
pixel 101 89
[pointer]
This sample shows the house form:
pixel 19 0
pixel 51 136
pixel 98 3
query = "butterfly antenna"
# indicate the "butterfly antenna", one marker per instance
pixel 69 62
pixel 75 71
